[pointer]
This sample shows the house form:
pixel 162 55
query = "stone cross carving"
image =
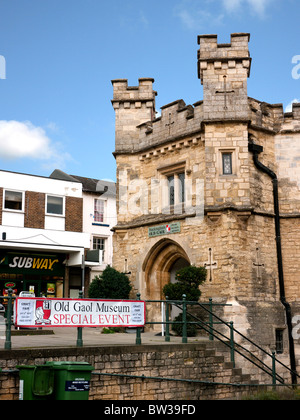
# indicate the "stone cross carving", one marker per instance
pixel 210 265
pixel 257 264
pixel 225 92
pixel 170 123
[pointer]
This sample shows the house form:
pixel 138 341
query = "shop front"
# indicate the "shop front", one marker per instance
pixel 39 273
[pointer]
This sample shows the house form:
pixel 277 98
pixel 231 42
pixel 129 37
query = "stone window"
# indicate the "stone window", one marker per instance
pixel 176 188
pixel 279 340
pixel 227 163
pixel 172 184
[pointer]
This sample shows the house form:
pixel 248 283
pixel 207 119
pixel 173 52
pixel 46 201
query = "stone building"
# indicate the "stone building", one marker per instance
pixel 199 185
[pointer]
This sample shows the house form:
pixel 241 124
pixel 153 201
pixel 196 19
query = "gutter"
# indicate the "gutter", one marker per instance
pixel 256 150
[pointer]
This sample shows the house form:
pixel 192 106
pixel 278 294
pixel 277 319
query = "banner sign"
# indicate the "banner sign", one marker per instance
pixel 51 312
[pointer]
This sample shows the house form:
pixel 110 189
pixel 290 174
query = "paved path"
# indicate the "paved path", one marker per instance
pixel 67 337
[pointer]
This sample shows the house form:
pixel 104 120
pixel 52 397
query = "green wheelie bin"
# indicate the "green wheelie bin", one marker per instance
pixel 71 380
pixel 36 383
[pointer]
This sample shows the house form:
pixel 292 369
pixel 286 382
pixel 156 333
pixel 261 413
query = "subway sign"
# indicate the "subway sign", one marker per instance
pixel 32 263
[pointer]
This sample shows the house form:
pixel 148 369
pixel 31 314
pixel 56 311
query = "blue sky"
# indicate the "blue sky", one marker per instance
pixel 58 57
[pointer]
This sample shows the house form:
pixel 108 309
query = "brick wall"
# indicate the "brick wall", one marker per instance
pixel 34 210
pixel 74 208
pixel 192 361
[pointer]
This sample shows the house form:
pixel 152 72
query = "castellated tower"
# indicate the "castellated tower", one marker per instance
pixel 223 70
pixel 190 191
pixel 133 105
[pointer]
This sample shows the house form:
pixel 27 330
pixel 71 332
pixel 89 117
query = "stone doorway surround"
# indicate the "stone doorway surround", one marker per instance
pixel 157 268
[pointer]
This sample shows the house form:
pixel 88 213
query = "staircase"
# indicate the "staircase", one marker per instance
pixel 242 355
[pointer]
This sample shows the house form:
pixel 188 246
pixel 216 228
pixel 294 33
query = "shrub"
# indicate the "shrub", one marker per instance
pixel 188 281
pixel 111 284
pixel 191 330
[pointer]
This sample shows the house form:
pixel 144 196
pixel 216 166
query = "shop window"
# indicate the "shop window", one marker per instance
pixel 98 211
pixel 55 205
pixel 13 200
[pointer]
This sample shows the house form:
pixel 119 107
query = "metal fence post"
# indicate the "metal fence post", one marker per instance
pixel 167 335
pixel 211 320
pixel 7 344
pixel 232 344
pixel 184 326
pixel 79 342
pixel 138 339
pixel 273 370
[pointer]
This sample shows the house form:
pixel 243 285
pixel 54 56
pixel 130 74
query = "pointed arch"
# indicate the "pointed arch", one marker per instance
pixel 157 266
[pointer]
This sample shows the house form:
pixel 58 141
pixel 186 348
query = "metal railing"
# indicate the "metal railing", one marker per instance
pixel 208 327
pixel 229 341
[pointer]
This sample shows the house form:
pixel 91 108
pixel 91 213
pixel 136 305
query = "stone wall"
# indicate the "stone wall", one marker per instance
pixel 190 361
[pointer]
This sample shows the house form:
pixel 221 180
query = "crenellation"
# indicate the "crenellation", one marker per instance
pixel 207 145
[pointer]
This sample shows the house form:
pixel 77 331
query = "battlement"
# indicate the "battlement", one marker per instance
pixel 223 70
pixel 133 105
pixel 141 93
pixel 212 52
pixel 272 116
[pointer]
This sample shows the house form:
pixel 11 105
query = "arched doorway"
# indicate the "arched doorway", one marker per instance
pixel 160 265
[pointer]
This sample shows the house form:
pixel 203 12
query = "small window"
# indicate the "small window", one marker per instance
pixel 181 178
pixel 13 200
pixel 98 211
pixel 55 205
pixel 279 341
pixel 99 243
pixel 227 163
pixel 171 188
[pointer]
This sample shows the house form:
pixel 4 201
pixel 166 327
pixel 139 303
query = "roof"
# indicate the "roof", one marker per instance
pixel 89 185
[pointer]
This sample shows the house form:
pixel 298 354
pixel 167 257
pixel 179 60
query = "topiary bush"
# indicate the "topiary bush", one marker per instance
pixel 188 281
pixel 191 330
pixel 111 284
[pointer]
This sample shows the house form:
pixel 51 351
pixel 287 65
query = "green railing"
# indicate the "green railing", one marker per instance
pixel 229 341
pixel 209 327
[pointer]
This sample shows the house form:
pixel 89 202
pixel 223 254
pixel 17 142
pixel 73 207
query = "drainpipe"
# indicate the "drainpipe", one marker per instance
pixel 256 150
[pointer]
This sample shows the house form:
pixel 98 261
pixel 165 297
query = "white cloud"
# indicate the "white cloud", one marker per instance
pixel 23 140
pixel 289 107
pixel 193 17
pixel 258 7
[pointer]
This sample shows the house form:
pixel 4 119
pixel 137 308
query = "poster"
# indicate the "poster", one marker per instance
pixel 51 312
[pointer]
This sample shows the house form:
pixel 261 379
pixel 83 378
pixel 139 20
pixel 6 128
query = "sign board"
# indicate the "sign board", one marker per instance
pixel 51 312
pixel 17 263
pixel 164 229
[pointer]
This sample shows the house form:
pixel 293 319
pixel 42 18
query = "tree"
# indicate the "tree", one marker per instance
pixel 188 281
pixel 111 284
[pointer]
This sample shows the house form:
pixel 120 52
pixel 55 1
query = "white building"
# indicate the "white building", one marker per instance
pixel 42 243
pixel 99 217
